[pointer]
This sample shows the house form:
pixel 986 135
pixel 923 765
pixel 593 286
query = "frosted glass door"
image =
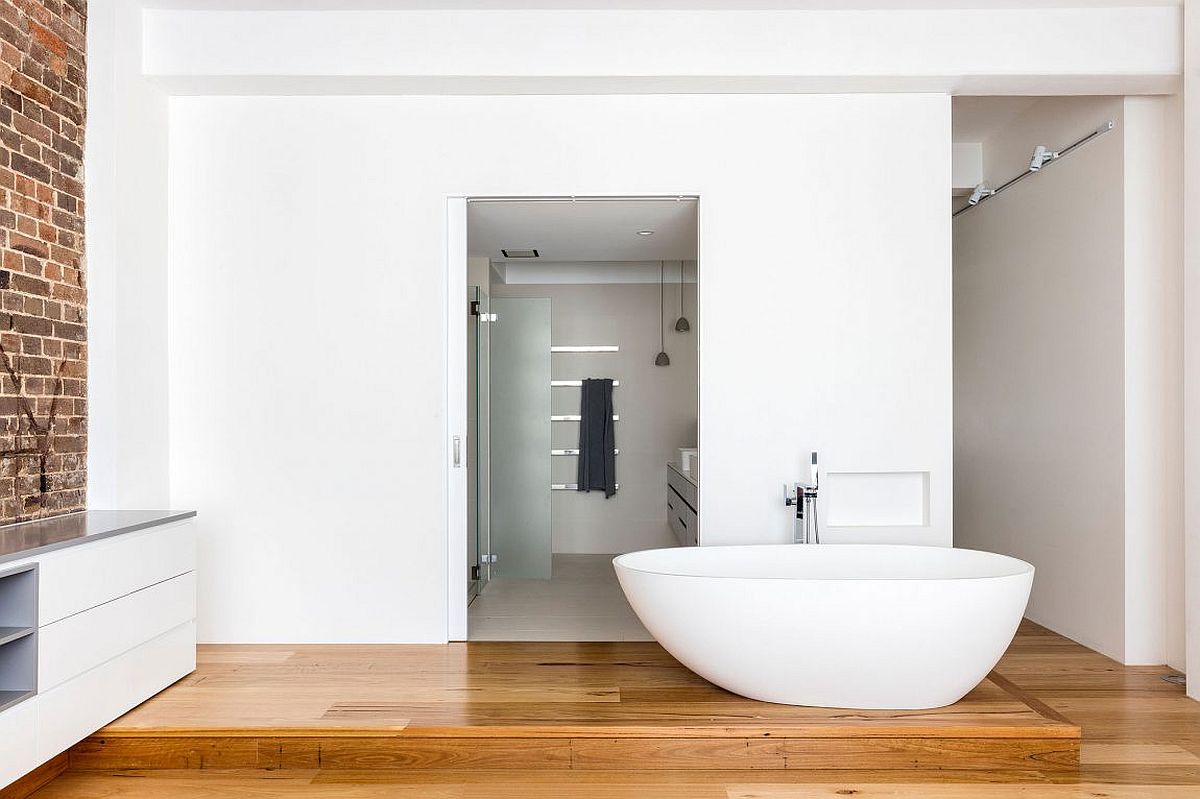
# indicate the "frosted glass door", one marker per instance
pixel 519 402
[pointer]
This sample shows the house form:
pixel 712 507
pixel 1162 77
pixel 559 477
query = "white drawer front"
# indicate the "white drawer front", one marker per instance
pixel 18 741
pixel 79 707
pixel 84 576
pixel 77 643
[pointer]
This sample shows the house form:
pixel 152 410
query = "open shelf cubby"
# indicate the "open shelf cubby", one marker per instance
pixel 18 634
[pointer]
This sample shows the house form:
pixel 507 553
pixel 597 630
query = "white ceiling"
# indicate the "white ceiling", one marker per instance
pixel 975 118
pixel 586 230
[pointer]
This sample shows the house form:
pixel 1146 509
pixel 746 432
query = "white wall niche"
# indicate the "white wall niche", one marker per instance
pixel 876 499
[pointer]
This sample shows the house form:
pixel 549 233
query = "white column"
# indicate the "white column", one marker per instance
pixel 1191 250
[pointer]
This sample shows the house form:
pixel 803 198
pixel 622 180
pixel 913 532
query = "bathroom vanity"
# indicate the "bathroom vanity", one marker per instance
pixel 97 614
pixel 683 502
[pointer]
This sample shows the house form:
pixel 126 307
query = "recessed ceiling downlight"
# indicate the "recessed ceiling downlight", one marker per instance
pixel 520 253
pixel 645 232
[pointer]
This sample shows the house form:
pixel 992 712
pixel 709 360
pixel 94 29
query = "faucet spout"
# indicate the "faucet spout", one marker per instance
pixel 804 497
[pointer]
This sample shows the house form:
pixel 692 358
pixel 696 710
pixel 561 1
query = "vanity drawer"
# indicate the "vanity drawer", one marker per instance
pixel 682 486
pixel 682 519
pixel 678 526
pixel 692 537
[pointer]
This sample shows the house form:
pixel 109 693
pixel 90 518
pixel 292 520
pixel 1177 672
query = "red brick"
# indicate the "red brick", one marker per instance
pixel 48 40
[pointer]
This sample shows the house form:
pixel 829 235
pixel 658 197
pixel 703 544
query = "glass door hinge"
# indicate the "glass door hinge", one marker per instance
pixel 483 317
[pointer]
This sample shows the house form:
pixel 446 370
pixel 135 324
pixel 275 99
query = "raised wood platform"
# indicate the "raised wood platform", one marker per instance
pixel 543 707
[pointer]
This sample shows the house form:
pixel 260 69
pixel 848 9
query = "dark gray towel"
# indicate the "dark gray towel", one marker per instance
pixel 597 438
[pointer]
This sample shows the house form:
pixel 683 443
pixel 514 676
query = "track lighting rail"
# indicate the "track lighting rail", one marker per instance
pixel 1042 158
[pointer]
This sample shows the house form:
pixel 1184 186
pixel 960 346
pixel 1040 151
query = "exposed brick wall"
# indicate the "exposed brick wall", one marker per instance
pixel 43 313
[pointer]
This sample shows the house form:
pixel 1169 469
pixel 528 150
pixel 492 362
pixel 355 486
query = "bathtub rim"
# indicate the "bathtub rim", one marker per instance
pixel 1018 568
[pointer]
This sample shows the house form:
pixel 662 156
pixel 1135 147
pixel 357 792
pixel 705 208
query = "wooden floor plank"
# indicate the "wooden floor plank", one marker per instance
pixel 1137 754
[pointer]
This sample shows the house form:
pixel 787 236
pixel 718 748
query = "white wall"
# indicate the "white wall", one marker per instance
pixel 307 366
pixel 1015 50
pixel 657 406
pixel 1067 372
pixel 126 196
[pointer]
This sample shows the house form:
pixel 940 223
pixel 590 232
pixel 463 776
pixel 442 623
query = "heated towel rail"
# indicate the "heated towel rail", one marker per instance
pixel 575 417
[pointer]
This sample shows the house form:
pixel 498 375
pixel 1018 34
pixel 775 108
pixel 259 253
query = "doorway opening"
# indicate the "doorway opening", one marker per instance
pixel 582 407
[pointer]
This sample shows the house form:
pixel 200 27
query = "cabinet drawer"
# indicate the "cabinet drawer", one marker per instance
pixel 692 537
pixel 678 527
pixel 18 741
pixel 79 707
pixel 77 643
pixel 682 520
pixel 675 505
pixel 82 577
pixel 682 486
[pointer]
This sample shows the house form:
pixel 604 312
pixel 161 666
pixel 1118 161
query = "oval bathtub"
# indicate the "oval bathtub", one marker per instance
pixel 831 625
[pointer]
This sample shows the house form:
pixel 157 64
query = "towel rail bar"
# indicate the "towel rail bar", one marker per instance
pixel 575 418
pixel 567 383
pixel 569 486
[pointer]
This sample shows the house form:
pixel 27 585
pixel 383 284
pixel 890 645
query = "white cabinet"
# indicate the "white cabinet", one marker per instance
pixel 18 752
pixel 683 498
pixel 112 622
pixel 84 576
pixel 79 707
pixel 71 646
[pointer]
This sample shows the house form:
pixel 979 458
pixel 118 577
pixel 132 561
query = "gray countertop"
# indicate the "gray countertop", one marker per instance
pixel 25 539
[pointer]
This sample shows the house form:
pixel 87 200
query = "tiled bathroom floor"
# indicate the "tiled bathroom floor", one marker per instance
pixel 581 602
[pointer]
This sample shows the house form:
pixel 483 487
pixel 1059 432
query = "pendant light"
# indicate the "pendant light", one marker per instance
pixel 662 359
pixel 682 325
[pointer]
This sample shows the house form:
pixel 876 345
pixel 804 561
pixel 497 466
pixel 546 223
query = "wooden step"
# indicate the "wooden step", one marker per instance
pixel 595 754
pixel 543 707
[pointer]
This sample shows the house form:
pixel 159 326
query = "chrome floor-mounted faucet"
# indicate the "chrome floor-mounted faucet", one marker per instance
pixel 803 496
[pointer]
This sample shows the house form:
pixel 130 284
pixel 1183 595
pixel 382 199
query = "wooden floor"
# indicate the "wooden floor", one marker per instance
pixel 625 720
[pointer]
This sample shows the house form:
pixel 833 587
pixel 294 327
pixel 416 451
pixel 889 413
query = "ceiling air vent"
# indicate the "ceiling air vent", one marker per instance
pixel 520 253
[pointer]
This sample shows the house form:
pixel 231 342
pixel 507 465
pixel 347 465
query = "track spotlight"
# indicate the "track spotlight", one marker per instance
pixel 1041 157
pixel 980 192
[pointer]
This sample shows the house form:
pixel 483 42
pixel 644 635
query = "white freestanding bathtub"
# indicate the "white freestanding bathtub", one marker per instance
pixel 831 625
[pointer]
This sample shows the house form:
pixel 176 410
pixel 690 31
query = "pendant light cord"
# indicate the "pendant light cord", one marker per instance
pixel 681 288
pixel 662 340
pixel 662 359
